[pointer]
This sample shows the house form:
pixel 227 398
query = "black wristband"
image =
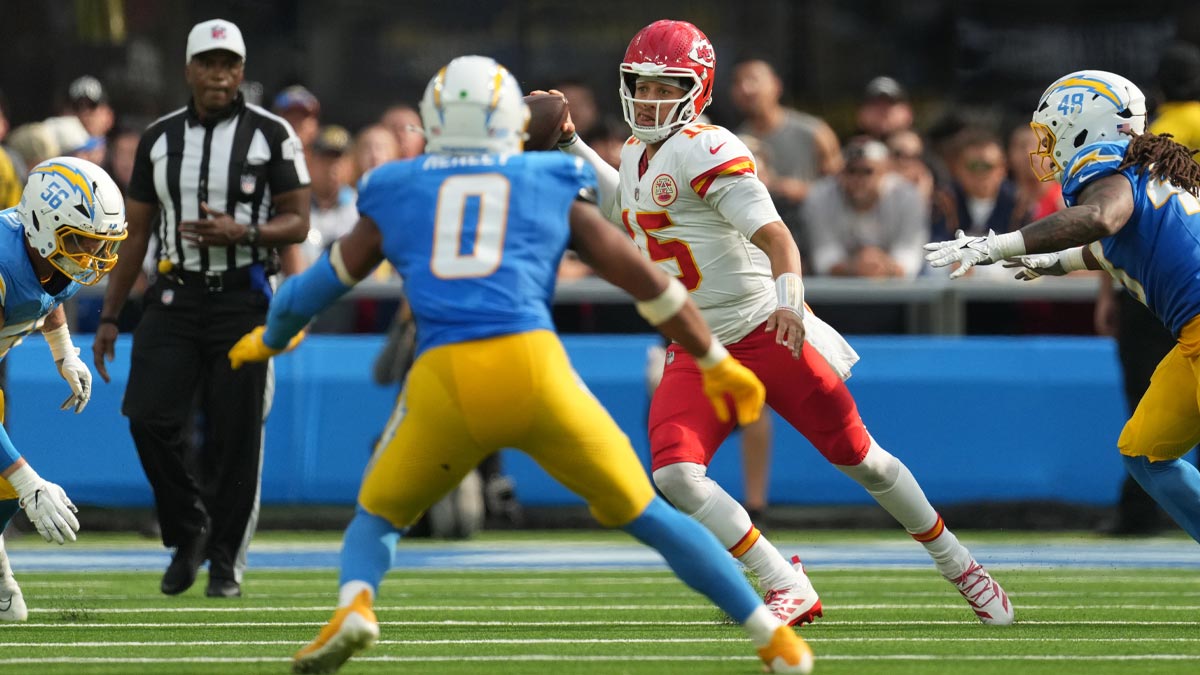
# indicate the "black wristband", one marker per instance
pixel 109 319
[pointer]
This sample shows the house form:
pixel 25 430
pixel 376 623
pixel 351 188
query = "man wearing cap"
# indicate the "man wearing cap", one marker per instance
pixel 229 183
pixel 302 110
pixel 89 103
pixel 884 109
pixel 333 211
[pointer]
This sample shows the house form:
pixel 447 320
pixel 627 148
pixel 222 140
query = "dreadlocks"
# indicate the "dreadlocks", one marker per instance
pixel 1165 160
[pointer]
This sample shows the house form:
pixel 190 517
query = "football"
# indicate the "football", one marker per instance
pixel 547 113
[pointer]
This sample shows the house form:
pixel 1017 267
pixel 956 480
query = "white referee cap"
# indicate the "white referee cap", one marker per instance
pixel 215 34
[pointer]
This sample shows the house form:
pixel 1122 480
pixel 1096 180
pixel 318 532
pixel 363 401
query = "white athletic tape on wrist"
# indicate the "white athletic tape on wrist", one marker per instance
pixel 60 343
pixel 666 305
pixel 789 291
pixel 24 480
pixel 1072 259
pixel 716 354
pixel 1008 245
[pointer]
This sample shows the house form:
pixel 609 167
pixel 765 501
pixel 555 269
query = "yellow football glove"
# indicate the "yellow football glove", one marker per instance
pixel 731 378
pixel 251 348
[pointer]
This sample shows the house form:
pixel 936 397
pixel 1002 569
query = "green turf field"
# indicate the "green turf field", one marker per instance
pixel 595 622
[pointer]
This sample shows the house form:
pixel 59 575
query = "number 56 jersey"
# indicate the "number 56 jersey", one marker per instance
pixel 692 209
pixel 476 238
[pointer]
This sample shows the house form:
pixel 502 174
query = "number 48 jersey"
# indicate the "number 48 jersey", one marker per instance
pixel 477 239
pixel 692 209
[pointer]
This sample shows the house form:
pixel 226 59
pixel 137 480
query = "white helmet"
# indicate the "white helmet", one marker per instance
pixel 1081 108
pixel 74 216
pixel 474 106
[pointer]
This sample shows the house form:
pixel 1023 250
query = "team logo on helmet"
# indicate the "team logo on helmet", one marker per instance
pixel 663 190
pixel 702 53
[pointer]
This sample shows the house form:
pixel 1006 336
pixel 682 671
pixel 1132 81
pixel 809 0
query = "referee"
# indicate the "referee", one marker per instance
pixel 229 185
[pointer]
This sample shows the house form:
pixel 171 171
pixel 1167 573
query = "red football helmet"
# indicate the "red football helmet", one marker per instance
pixel 674 50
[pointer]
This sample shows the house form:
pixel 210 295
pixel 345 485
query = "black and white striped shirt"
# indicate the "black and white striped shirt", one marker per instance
pixel 235 163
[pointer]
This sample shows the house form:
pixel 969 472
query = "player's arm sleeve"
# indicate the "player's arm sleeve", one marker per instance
pixel 300 298
pixel 8 452
pixel 726 177
pixel 608 179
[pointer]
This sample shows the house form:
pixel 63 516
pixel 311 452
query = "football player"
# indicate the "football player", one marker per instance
pixel 476 228
pixel 63 234
pixel 1133 203
pixel 688 195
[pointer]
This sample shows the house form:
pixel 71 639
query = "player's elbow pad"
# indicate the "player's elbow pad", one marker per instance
pixel 300 298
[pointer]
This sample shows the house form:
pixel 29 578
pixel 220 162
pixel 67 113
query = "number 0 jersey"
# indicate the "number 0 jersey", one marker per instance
pixel 476 238
pixel 23 301
pixel 1156 255
pixel 692 209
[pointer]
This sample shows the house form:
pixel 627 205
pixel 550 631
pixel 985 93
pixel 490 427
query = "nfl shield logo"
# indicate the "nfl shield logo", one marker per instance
pixel 249 182
pixel 218 32
pixel 168 296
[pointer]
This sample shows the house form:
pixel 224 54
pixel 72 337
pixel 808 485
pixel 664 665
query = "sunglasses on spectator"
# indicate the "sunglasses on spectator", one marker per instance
pixel 980 166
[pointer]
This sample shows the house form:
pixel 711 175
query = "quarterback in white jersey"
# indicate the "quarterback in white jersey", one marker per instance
pixel 687 193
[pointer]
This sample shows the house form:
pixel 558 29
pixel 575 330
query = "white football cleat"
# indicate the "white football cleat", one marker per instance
pixel 352 629
pixel 985 596
pixel 787 653
pixel 12 603
pixel 798 604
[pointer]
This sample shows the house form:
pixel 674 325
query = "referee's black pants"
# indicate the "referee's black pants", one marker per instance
pixel 179 358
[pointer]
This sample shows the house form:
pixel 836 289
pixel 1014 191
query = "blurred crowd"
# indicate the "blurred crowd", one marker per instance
pixel 860 204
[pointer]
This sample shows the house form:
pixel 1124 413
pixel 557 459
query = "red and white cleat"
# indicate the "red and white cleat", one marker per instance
pixel 798 604
pixel 985 596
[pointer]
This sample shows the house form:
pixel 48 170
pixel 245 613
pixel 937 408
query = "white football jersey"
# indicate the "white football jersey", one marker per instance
pixel 692 209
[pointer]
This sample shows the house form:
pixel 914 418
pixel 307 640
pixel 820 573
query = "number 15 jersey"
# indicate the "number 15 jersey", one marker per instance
pixel 476 238
pixel 692 209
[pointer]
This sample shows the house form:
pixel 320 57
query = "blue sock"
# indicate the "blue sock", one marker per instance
pixel 1175 485
pixel 367 549
pixel 696 556
pixel 8 509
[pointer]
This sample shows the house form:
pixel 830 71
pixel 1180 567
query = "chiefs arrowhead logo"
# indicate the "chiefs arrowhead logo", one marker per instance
pixel 702 53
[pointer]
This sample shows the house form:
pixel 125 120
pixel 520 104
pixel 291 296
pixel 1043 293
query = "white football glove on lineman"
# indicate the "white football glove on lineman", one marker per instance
pixel 46 504
pixel 71 367
pixel 971 251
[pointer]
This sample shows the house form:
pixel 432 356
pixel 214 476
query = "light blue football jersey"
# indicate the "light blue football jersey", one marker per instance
pixel 1156 255
pixel 477 239
pixel 25 302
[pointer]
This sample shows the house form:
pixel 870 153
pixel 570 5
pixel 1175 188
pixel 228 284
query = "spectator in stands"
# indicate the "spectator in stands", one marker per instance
pixel 405 124
pixel 373 146
pixel 802 147
pixel 333 212
pixel 12 169
pixel 868 221
pixel 1035 199
pixel 89 102
pixel 301 108
pixel 72 138
pixel 33 143
pixel 908 160
pixel 122 149
pixel 884 109
pixel 584 111
pixel 1143 340
pixel 980 196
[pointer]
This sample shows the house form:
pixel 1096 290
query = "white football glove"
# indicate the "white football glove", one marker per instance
pixel 1033 266
pixel 77 374
pixel 46 504
pixel 966 251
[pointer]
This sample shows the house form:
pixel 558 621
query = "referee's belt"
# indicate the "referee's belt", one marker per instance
pixel 236 279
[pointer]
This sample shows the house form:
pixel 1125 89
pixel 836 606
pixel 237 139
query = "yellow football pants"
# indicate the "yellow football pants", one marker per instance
pixel 1166 423
pixel 464 401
